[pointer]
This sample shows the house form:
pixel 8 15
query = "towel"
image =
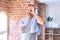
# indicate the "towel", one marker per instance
pixel 35 27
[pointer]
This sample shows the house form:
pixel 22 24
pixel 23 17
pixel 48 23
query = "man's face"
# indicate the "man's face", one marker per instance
pixel 30 9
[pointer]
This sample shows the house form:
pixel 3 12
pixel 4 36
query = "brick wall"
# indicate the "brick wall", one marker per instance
pixel 18 9
pixel 4 5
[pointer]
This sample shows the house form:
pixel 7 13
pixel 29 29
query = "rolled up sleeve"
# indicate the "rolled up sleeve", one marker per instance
pixel 22 22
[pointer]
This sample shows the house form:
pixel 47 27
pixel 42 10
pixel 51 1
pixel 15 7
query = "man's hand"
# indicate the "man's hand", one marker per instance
pixel 32 11
pixel 22 29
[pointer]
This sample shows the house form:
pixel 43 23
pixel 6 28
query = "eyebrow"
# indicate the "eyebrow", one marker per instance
pixel 30 5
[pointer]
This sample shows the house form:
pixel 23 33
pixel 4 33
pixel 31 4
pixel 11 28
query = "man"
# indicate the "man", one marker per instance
pixel 26 23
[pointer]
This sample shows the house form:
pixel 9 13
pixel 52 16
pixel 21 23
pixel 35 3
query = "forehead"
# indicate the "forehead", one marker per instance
pixel 30 7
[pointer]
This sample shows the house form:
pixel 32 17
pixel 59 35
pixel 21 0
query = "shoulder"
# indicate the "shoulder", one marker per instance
pixel 23 18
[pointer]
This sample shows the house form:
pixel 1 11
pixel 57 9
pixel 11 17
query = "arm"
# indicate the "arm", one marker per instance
pixel 23 22
pixel 40 20
pixel 21 26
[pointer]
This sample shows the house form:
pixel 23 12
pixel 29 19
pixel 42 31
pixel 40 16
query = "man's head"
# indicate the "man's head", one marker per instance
pixel 30 9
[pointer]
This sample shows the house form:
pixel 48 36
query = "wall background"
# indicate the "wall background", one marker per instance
pixel 53 9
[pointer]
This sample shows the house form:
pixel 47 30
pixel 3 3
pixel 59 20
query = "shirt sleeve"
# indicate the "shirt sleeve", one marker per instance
pixel 23 22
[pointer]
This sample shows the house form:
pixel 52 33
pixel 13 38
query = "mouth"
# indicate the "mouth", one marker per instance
pixel 29 14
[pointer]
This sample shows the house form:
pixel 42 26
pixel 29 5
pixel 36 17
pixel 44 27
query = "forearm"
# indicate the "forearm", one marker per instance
pixel 40 20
